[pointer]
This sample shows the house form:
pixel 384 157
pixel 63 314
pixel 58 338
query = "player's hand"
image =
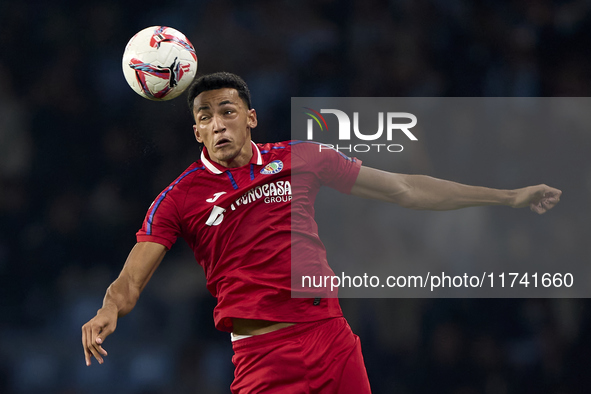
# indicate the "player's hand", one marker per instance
pixel 95 331
pixel 540 198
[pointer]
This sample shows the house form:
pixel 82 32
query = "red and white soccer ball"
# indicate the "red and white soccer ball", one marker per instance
pixel 159 63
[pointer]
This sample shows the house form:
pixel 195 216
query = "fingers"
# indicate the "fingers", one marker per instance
pixel 92 342
pixel 540 207
pixel 537 208
pixel 544 199
pixel 89 350
pixel 553 191
pixel 547 200
pixel 100 339
pixel 87 354
pixel 89 344
pixel 96 341
pixel 96 331
pixel 551 194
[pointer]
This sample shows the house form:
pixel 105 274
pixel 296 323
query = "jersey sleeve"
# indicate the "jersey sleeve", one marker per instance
pixel 162 223
pixel 333 168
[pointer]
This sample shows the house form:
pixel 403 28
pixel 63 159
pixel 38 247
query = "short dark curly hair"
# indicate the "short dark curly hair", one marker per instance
pixel 215 81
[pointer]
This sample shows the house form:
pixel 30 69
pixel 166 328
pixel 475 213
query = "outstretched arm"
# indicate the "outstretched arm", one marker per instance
pixel 424 192
pixel 121 297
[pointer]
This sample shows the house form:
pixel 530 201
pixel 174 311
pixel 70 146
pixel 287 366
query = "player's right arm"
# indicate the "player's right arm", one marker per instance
pixel 121 297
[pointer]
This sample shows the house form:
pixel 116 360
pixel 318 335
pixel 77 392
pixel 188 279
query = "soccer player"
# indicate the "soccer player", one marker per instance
pixel 240 211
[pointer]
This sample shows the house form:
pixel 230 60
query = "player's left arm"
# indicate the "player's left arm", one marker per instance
pixel 425 192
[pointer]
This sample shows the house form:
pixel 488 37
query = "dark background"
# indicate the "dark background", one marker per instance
pixel 82 157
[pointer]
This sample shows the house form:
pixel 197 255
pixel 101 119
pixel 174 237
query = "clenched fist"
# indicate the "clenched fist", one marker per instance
pixel 540 198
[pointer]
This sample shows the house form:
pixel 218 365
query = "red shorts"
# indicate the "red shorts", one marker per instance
pixel 319 357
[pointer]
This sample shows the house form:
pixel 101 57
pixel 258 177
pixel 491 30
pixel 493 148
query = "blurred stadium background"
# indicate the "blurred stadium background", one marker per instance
pixel 82 157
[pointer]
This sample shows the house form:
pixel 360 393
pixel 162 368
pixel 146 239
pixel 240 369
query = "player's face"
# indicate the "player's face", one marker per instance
pixel 222 124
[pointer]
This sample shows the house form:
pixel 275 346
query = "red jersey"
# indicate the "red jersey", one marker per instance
pixel 238 221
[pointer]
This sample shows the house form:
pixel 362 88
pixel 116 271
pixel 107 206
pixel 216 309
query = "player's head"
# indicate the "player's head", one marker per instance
pixel 220 104
pixel 215 81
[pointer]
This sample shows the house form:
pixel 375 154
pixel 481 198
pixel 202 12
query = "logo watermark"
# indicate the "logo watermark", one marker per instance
pixel 389 123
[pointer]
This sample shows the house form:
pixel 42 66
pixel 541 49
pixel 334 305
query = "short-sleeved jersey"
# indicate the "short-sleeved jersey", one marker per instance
pixel 241 224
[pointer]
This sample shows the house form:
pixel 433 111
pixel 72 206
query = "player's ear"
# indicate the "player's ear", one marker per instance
pixel 252 118
pixel 197 134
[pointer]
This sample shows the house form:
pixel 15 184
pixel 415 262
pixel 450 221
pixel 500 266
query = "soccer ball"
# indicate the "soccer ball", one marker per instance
pixel 159 63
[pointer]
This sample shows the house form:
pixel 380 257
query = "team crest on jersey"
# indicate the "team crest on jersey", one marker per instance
pixel 273 167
